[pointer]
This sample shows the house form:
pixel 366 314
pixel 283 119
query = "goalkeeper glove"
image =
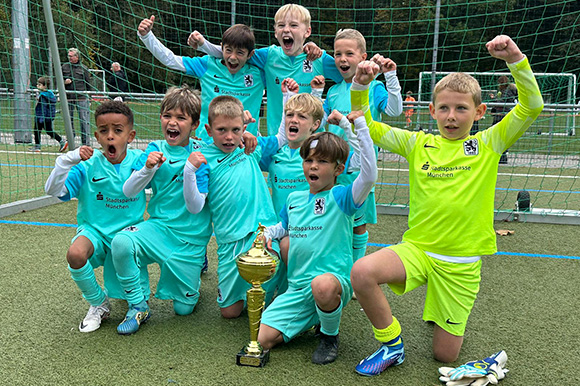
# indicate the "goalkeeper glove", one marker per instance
pixel 476 373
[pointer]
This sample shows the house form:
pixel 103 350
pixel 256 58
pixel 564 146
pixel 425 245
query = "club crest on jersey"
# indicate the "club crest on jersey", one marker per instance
pixel 249 80
pixel 320 206
pixel 131 228
pixel 306 66
pixel 471 147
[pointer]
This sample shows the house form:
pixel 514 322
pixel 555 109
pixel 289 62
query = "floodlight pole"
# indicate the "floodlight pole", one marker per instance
pixel 435 48
pixel 233 12
pixel 21 68
pixel 58 74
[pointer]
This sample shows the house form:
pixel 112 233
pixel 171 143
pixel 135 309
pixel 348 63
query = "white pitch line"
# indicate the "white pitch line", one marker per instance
pixel 499 174
pixel 30 152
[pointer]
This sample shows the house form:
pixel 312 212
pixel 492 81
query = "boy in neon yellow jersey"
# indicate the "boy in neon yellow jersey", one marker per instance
pixel 452 180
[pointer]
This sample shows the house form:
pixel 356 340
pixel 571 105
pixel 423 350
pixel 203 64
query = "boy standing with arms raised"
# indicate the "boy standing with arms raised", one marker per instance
pixel 96 179
pixel 452 180
pixel 291 29
pixel 228 76
pixel 171 237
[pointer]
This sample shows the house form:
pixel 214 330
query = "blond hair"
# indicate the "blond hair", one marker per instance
pixel 352 34
pixel 459 82
pixel 184 98
pixel 294 9
pixel 225 105
pixel 306 104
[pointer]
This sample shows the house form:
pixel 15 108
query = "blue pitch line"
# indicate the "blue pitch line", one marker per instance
pixel 508 189
pixel 505 253
pixel 28 166
pixel 50 224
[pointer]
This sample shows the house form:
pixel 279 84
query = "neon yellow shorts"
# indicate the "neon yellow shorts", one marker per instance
pixel 451 287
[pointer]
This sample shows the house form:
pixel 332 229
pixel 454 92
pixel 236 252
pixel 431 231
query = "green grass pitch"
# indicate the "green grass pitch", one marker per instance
pixel 527 306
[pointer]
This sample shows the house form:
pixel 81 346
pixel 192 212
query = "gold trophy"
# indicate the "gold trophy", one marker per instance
pixel 256 267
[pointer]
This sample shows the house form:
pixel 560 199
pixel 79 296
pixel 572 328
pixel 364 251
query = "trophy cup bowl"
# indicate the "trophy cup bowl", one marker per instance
pixel 256 267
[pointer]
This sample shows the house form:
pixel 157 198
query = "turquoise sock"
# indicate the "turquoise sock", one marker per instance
pixel 359 245
pixel 128 272
pixel 329 321
pixel 87 282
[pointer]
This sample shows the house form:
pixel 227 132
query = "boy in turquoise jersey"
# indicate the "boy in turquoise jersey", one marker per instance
pixel 452 178
pixel 228 76
pixel 319 224
pixel 349 51
pixel 302 116
pixel 171 237
pixel 291 28
pixel 228 182
pixel 96 179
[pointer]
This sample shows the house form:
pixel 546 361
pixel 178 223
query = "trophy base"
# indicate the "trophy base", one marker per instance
pixel 243 359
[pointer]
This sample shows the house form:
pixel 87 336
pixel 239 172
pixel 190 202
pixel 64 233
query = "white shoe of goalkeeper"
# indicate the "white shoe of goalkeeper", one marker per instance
pixel 95 316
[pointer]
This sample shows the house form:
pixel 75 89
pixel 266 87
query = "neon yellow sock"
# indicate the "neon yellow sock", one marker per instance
pixel 390 335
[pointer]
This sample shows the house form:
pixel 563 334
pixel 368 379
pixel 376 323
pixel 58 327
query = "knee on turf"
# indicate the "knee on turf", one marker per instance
pixel 182 308
pixel 233 311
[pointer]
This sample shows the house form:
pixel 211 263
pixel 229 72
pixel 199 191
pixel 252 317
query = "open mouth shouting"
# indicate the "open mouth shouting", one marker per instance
pixel 313 177
pixel 293 130
pixel 287 43
pixel 173 134
pixel 111 152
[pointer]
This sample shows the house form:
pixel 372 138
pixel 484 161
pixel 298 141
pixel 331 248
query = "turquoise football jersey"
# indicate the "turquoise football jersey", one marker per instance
pixel 286 176
pixel 98 185
pixel 167 202
pixel 320 231
pixel 280 66
pixel 247 85
pixel 238 197
pixel 338 98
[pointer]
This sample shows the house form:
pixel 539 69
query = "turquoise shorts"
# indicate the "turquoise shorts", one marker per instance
pixel 231 286
pixel 180 263
pixel 451 287
pixel 367 213
pixel 101 257
pixel 294 311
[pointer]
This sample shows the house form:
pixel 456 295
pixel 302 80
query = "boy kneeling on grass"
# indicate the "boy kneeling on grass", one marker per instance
pixel 452 181
pixel 319 225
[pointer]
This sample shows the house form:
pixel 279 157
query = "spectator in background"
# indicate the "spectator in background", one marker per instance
pixel 507 93
pixel 117 81
pixel 77 78
pixel 409 108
